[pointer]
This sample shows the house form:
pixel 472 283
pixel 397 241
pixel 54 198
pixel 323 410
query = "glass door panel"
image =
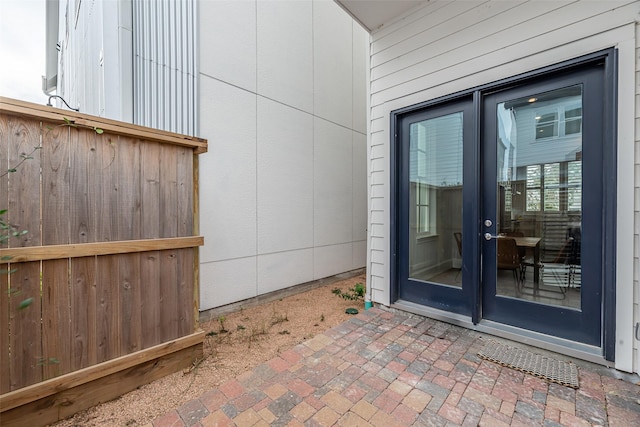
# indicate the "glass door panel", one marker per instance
pixel 539 197
pixel 435 200
pixel 433 225
pixel 542 260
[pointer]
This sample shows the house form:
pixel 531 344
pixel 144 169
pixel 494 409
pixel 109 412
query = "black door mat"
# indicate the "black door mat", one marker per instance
pixel 543 367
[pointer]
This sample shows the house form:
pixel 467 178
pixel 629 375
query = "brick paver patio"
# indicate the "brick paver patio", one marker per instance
pixel 391 369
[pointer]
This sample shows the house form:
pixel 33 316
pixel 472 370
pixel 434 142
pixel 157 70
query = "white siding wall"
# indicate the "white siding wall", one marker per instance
pixel 283 186
pixel 447 46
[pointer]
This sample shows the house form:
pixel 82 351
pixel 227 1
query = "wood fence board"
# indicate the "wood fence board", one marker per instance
pixel 184 176
pixel 83 164
pixel 186 258
pixel 4 283
pixel 107 287
pixel 107 308
pixel 130 303
pixel 150 261
pixel 129 189
pixel 56 318
pixel 108 182
pixel 4 164
pixel 168 228
pixel 168 214
pixel 55 183
pixel 25 330
pixel 129 228
pixel 83 312
pixel 56 302
pixel 5 384
pixel 186 263
pixel 24 184
pixel 24 214
pixel 169 288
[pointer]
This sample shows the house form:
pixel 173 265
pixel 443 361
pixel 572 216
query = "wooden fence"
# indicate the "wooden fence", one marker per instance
pixel 105 277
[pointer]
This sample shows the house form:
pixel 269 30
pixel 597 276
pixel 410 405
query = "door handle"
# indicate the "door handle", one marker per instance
pixel 489 236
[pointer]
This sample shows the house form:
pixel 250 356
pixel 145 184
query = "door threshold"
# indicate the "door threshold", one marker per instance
pixel 562 346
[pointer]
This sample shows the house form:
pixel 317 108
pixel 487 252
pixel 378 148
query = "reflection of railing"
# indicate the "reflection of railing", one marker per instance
pixel 565 269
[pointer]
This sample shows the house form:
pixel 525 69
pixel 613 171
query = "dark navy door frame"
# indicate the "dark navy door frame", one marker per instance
pixel 607 59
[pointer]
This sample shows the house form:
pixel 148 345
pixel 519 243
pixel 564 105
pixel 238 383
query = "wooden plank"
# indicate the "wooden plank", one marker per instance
pixel 196 252
pixel 186 192
pixel 107 308
pixel 107 275
pixel 150 261
pixel 56 304
pixel 25 330
pixel 185 290
pixel 84 163
pixel 22 108
pixel 70 401
pixel 39 253
pixel 169 284
pixel 24 183
pixel 4 334
pixel 56 318
pixel 129 228
pixel 24 214
pixel 35 392
pixel 186 261
pixel 83 313
pixel 4 283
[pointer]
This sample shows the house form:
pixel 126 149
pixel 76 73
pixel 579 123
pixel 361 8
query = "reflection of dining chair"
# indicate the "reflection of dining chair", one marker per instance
pixel 508 258
pixel 458 236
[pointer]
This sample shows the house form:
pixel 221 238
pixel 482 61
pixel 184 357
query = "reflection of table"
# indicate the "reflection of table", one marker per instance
pixel 531 243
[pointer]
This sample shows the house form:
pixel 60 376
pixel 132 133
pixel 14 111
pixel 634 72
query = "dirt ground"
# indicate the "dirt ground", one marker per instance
pixel 234 343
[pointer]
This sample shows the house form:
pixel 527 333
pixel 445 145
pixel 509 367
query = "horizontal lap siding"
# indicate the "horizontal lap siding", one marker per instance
pixel 444 47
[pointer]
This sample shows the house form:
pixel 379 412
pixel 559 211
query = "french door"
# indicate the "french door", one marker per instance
pixel 500 204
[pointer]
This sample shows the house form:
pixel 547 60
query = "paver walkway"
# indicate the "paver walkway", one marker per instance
pixel 392 369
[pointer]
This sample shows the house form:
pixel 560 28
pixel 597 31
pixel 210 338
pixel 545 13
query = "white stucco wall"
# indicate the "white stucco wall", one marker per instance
pixel 281 98
pixel 443 47
pixel 283 185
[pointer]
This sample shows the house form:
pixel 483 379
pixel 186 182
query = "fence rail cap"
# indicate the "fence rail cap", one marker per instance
pixel 43 112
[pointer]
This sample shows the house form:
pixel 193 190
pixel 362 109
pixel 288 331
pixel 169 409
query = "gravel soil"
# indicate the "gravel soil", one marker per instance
pixel 235 343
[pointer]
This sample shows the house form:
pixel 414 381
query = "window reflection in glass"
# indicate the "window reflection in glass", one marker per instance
pixel 435 210
pixel 539 183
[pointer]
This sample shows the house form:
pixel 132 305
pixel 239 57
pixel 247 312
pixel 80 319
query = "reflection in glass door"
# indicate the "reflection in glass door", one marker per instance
pixel 435 200
pixel 539 197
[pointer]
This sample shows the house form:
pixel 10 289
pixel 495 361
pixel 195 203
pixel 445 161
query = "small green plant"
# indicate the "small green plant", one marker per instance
pixel 353 294
pixel 221 320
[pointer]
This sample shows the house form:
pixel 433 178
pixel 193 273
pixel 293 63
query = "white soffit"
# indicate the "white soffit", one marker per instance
pixel 373 14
